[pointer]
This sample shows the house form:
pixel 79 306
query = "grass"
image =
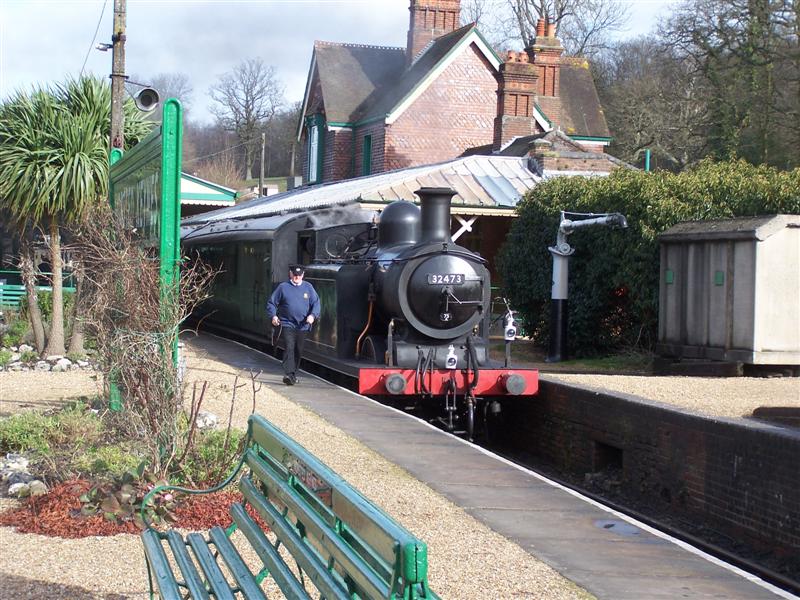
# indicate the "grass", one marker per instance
pixel 78 441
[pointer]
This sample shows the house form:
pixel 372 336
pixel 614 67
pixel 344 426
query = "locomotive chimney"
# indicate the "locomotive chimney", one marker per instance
pixel 435 214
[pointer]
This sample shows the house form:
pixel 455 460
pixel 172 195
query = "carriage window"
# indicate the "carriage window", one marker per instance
pixel 222 258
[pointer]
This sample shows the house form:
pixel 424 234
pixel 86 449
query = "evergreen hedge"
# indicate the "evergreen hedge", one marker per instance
pixel 613 278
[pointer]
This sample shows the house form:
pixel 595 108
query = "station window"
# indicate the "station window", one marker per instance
pixel 315 148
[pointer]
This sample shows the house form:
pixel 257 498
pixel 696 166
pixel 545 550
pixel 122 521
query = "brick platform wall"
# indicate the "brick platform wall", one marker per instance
pixel 455 113
pixel 739 478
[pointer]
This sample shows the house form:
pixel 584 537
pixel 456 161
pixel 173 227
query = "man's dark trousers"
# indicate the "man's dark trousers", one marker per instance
pixel 294 339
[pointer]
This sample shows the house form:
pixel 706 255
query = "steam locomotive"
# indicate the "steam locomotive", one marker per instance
pixel 405 310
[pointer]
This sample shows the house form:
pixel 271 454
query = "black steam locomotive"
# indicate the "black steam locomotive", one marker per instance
pixel 405 310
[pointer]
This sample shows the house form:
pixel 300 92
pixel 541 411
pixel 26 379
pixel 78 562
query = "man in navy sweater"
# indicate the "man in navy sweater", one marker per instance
pixel 293 306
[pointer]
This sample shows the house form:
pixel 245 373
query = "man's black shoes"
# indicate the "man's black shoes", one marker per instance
pixel 289 379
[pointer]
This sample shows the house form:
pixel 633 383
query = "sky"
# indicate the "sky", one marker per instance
pixel 43 42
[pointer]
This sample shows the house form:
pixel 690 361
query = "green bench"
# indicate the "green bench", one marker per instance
pixel 341 545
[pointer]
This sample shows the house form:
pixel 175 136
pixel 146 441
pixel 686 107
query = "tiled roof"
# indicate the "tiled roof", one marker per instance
pixel 429 58
pixel 581 113
pixel 351 75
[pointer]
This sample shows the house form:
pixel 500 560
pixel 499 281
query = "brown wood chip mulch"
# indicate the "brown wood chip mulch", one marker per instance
pixel 57 513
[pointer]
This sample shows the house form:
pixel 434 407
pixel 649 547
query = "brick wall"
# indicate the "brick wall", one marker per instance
pixel 338 161
pixel 738 478
pixel 556 163
pixel 455 113
pixel 376 130
pixel 429 19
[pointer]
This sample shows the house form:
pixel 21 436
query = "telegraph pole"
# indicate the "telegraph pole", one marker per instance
pixel 118 75
pixel 261 173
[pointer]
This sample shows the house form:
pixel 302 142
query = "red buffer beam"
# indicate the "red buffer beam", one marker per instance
pixel 491 382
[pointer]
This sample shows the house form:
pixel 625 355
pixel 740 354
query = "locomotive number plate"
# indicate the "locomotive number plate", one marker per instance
pixel 445 278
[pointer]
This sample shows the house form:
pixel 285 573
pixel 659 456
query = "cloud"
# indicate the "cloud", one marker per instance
pixel 44 41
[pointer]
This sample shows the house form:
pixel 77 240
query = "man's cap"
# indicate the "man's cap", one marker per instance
pixel 296 269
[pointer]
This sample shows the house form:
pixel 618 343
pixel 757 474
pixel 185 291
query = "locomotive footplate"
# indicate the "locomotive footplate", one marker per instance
pixel 491 382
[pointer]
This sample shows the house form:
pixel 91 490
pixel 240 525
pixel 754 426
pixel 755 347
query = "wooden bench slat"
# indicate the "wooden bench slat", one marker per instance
pixel 219 585
pixel 191 577
pixel 278 569
pixel 358 570
pixel 380 563
pixel 343 544
pixel 244 578
pixel 311 564
pixel 369 522
pixel 159 566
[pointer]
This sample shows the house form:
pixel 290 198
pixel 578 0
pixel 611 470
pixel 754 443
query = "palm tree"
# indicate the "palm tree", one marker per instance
pixel 54 163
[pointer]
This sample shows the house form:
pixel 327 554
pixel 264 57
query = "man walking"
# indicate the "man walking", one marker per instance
pixel 293 306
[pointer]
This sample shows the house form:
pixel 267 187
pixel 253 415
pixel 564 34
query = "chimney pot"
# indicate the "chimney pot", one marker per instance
pixel 540 28
pixel 512 56
pixel 551 30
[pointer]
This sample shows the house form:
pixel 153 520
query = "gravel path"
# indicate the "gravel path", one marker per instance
pixel 716 397
pixel 467 560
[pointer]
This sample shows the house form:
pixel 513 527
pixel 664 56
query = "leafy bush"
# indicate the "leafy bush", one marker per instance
pixel 15 334
pixel 613 279
pixel 46 303
pixel 210 460
pixel 29 356
pixel 111 461
pixel 123 499
pixel 75 356
pixel 26 432
pixel 5 357
pixel 74 427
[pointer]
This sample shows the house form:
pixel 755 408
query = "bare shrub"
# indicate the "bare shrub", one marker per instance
pixel 135 326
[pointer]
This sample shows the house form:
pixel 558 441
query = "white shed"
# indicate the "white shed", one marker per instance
pixel 730 290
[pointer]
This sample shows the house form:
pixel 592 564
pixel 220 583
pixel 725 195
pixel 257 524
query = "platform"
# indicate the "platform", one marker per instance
pixel 602 551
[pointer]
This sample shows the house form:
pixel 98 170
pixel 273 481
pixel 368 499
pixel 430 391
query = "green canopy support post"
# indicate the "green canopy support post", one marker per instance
pixel 144 192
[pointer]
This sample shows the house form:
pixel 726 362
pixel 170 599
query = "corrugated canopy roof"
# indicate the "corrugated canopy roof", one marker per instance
pixel 490 183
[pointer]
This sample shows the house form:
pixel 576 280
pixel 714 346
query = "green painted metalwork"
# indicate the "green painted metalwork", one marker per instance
pixel 144 191
pixel 11 294
pixel 339 540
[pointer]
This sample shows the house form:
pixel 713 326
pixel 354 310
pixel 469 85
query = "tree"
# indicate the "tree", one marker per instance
pixel 54 163
pixel 247 98
pixel 584 26
pixel 745 52
pixel 652 101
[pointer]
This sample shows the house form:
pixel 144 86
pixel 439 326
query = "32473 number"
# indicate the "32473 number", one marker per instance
pixel 445 278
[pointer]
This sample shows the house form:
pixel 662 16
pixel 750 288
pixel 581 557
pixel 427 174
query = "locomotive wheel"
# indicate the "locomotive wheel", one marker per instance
pixel 374 350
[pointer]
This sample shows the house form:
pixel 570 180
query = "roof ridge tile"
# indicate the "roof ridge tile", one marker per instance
pixel 351 45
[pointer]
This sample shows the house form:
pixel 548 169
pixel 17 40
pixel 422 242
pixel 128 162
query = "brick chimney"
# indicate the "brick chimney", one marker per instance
pixel 545 54
pixel 516 96
pixel 430 19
